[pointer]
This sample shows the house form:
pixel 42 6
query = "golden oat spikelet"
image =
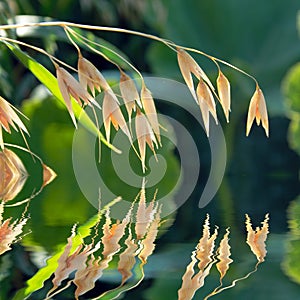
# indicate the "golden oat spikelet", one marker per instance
pixel 67 264
pixel 206 103
pixel 129 93
pixel 145 136
pixel 150 110
pixel 258 111
pixel 112 114
pixel 256 238
pixel 206 95
pixel 189 66
pixel 68 87
pixel 224 255
pixel 9 118
pixel 223 87
pixel 90 76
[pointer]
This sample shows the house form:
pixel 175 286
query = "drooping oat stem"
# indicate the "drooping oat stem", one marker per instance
pixel 168 43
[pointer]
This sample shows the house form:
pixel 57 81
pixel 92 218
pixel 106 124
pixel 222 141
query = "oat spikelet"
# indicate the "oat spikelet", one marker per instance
pixel 127 258
pixel 224 255
pixel 69 86
pixel 112 115
pixel 188 66
pixel 129 93
pixel 9 232
pixel 144 215
pixel 223 87
pixel 203 92
pixel 145 136
pixel 9 118
pixel 256 238
pixel 257 110
pixel 150 110
pixel 205 247
pixel 206 103
pixel 90 77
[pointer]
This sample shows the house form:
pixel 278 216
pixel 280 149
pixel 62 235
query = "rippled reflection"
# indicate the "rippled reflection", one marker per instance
pixel 13 175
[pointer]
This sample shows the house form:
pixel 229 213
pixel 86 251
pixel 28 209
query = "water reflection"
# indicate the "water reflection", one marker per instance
pixel 10 230
pixel 94 246
pixel 13 175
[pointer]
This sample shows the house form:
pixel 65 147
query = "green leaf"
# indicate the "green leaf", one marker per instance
pixel 46 78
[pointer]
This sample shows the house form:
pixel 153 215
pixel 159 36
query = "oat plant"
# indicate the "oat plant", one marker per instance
pixel 134 93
